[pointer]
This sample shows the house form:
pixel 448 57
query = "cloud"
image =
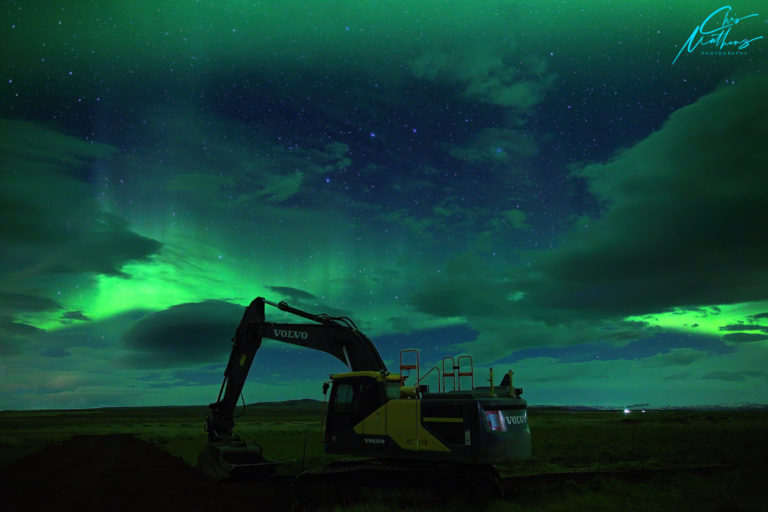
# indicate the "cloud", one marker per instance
pixel 14 334
pixel 683 376
pixel 217 163
pixel 58 231
pixel 738 376
pixel 465 288
pixel 183 335
pixel 684 220
pixel 15 301
pixel 90 336
pixel 75 315
pixel 742 337
pixel 55 352
pixel 487 74
pixel 292 293
pixel 516 218
pixel 278 188
pixel 682 228
pixel 677 357
pixel 744 327
pixel 653 348
pixel 45 174
pixel 302 299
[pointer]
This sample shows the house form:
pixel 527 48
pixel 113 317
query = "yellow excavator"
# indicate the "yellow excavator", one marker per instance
pixel 409 435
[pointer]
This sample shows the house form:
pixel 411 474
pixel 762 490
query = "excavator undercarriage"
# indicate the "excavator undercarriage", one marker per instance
pixel 354 480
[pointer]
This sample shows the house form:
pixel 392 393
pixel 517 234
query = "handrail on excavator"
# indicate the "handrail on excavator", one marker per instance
pixel 409 367
pixel 434 368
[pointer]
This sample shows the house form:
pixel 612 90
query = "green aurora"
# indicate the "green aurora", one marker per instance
pixel 533 183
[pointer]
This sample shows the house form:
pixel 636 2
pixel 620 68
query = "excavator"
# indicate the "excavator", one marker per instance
pixel 401 435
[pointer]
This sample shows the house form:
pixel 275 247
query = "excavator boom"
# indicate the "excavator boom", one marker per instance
pixel 337 336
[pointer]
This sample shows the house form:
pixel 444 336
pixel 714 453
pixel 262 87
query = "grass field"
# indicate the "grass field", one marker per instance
pixel 582 460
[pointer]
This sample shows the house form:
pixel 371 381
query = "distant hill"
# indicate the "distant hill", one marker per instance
pixel 299 402
pixel 310 405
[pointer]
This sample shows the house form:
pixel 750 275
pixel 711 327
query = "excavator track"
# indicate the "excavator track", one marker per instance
pixel 350 481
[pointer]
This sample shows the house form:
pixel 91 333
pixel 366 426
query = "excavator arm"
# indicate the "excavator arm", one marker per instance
pixel 337 336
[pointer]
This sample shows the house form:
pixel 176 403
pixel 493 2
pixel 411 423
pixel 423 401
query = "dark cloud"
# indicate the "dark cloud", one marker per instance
pixel 656 351
pixel 732 376
pixel 684 222
pixel 292 293
pixel 699 312
pixel 183 335
pixel 679 357
pixel 52 226
pixel 41 181
pixel 14 335
pixel 682 227
pixel 677 376
pixel 758 316
pixel 13 301
pixel 55 352
pixel 93 334
pixel 75 315
pixel 743 337
pixel 744 327
pixel 302 299
pixel 468 286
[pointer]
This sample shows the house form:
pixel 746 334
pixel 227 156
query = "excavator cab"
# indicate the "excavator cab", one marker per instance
pixel 352 399
pixel 355 398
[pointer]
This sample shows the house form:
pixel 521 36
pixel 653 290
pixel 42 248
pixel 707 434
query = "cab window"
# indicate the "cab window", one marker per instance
pixel 351 402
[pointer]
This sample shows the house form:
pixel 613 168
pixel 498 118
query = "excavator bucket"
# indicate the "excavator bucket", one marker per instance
pixel 222 462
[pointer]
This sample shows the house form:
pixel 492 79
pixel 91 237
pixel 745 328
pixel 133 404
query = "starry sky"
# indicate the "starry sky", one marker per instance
pixel 572 190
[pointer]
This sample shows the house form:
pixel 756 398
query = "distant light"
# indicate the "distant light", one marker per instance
pixel 643 411
pixel 627 411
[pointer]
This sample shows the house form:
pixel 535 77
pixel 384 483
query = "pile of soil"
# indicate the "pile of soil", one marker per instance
pixel 120 472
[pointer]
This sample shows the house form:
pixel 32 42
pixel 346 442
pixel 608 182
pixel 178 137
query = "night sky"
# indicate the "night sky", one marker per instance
pixel 537 183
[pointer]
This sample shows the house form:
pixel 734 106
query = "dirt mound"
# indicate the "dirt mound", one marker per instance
pixel 122 473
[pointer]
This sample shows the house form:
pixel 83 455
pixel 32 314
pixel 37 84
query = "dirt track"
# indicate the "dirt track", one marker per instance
pixel 123 473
